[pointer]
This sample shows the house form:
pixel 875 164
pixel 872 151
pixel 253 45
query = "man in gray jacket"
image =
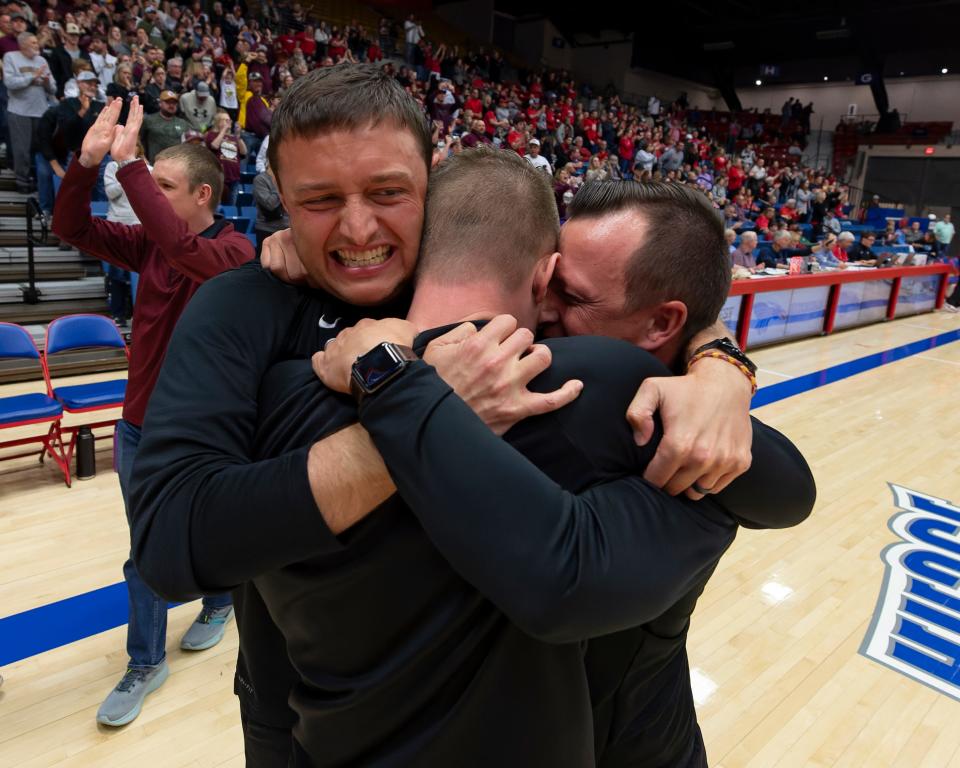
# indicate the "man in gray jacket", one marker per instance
pixel 29 84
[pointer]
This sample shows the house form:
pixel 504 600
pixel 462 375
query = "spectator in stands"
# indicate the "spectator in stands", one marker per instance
pixel 744 255
pixel 672 159
pixel 644 159
pixel 562 187
pixel 765 219
pixel 413 34
pixel 63 56
pixel 29 83
pixel 229 100
pixel 892 235
pixel 537 160
pixel 861 253
pixel 103 61
pixel 153 26
pixel 271 215
pixel 174 80
pixel 929 244
pixel 76 114
pixel 944 231
pixel 789 211
pixel 477 135
pixel 198 107
pixel 730 238
pixel 228 146
pixel 122 87
pixel 178 246
pixel 595 171
pixel 255 112
pixel 914 234
pixel 164 128
pixel 116 42
pixel 8 37
pixel 152 88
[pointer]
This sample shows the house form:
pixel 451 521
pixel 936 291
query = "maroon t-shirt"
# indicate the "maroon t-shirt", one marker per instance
pixel 229 154
pixel 172 262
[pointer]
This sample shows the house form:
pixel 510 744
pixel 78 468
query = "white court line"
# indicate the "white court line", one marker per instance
pixel 938 360
pixel 774 373
pixel 924 327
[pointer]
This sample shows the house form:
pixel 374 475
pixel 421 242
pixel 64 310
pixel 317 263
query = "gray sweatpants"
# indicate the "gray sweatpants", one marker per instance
pixel 22 131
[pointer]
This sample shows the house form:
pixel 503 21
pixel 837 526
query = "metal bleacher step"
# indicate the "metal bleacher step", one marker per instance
pixel 66 290
pixel 45 311
pixel 43 254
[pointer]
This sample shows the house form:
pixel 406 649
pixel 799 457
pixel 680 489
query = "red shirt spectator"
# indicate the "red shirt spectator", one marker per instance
pixel 625 147
pixel 172 262
pixel 735 178
pixel 474 105
pixel 288 43
pixel 307 44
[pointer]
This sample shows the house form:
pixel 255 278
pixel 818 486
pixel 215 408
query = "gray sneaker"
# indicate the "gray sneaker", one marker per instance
pixel 124 702
pixel 207 629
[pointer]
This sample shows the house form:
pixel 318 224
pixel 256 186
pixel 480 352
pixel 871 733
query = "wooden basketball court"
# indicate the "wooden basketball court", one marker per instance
pixel 775 645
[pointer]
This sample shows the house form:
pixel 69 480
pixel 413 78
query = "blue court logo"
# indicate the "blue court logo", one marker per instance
pixel 916 625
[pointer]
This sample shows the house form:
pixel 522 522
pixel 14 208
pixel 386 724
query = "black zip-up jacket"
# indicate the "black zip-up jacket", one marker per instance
pixel 178 467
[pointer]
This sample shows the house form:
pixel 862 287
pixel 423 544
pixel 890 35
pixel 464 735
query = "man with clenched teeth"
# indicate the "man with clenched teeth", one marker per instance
pixel 351 152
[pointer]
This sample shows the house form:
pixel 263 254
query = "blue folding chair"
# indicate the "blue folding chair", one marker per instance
pixel 74 332
pixel 244 199
pixel 32 408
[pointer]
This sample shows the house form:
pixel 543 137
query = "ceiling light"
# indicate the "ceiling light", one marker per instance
pixel 944 71
pixel 825 78
pixel 759 82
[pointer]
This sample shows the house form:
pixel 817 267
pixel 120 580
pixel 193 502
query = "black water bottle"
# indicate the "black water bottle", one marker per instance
pixel 86 459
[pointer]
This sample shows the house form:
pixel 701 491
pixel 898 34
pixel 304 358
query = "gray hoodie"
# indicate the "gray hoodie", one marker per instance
pixel 25 98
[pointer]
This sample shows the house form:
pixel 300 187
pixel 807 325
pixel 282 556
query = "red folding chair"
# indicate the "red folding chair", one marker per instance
pixel 74 332
pixel 32 408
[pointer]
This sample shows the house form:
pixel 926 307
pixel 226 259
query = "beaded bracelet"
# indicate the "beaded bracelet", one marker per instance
pixel 727 358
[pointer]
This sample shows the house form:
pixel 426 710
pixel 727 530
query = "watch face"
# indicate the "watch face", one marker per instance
pixel 378 365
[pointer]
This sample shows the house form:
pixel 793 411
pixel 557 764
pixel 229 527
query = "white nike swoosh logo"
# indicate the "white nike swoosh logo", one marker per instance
pixel 324 324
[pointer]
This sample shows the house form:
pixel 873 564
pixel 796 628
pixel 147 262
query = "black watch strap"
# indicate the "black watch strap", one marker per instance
pixel 378 367
pixel 728 347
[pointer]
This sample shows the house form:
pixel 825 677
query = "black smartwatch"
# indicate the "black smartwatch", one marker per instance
pixel 728 347
pixel 378 367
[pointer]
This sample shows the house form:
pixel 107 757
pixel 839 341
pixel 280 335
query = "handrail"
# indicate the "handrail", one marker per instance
pixel 31 211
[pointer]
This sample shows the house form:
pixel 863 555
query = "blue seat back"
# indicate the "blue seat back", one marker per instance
pixel 16 342
pixel 82 331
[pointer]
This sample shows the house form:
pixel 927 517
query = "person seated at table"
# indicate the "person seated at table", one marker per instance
pixel 861 253
pixel 777 255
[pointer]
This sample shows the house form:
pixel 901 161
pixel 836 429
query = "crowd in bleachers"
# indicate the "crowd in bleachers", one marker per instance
pixel 214 77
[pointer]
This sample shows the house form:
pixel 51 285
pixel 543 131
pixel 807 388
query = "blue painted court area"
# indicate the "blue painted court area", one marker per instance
pixel 66 621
